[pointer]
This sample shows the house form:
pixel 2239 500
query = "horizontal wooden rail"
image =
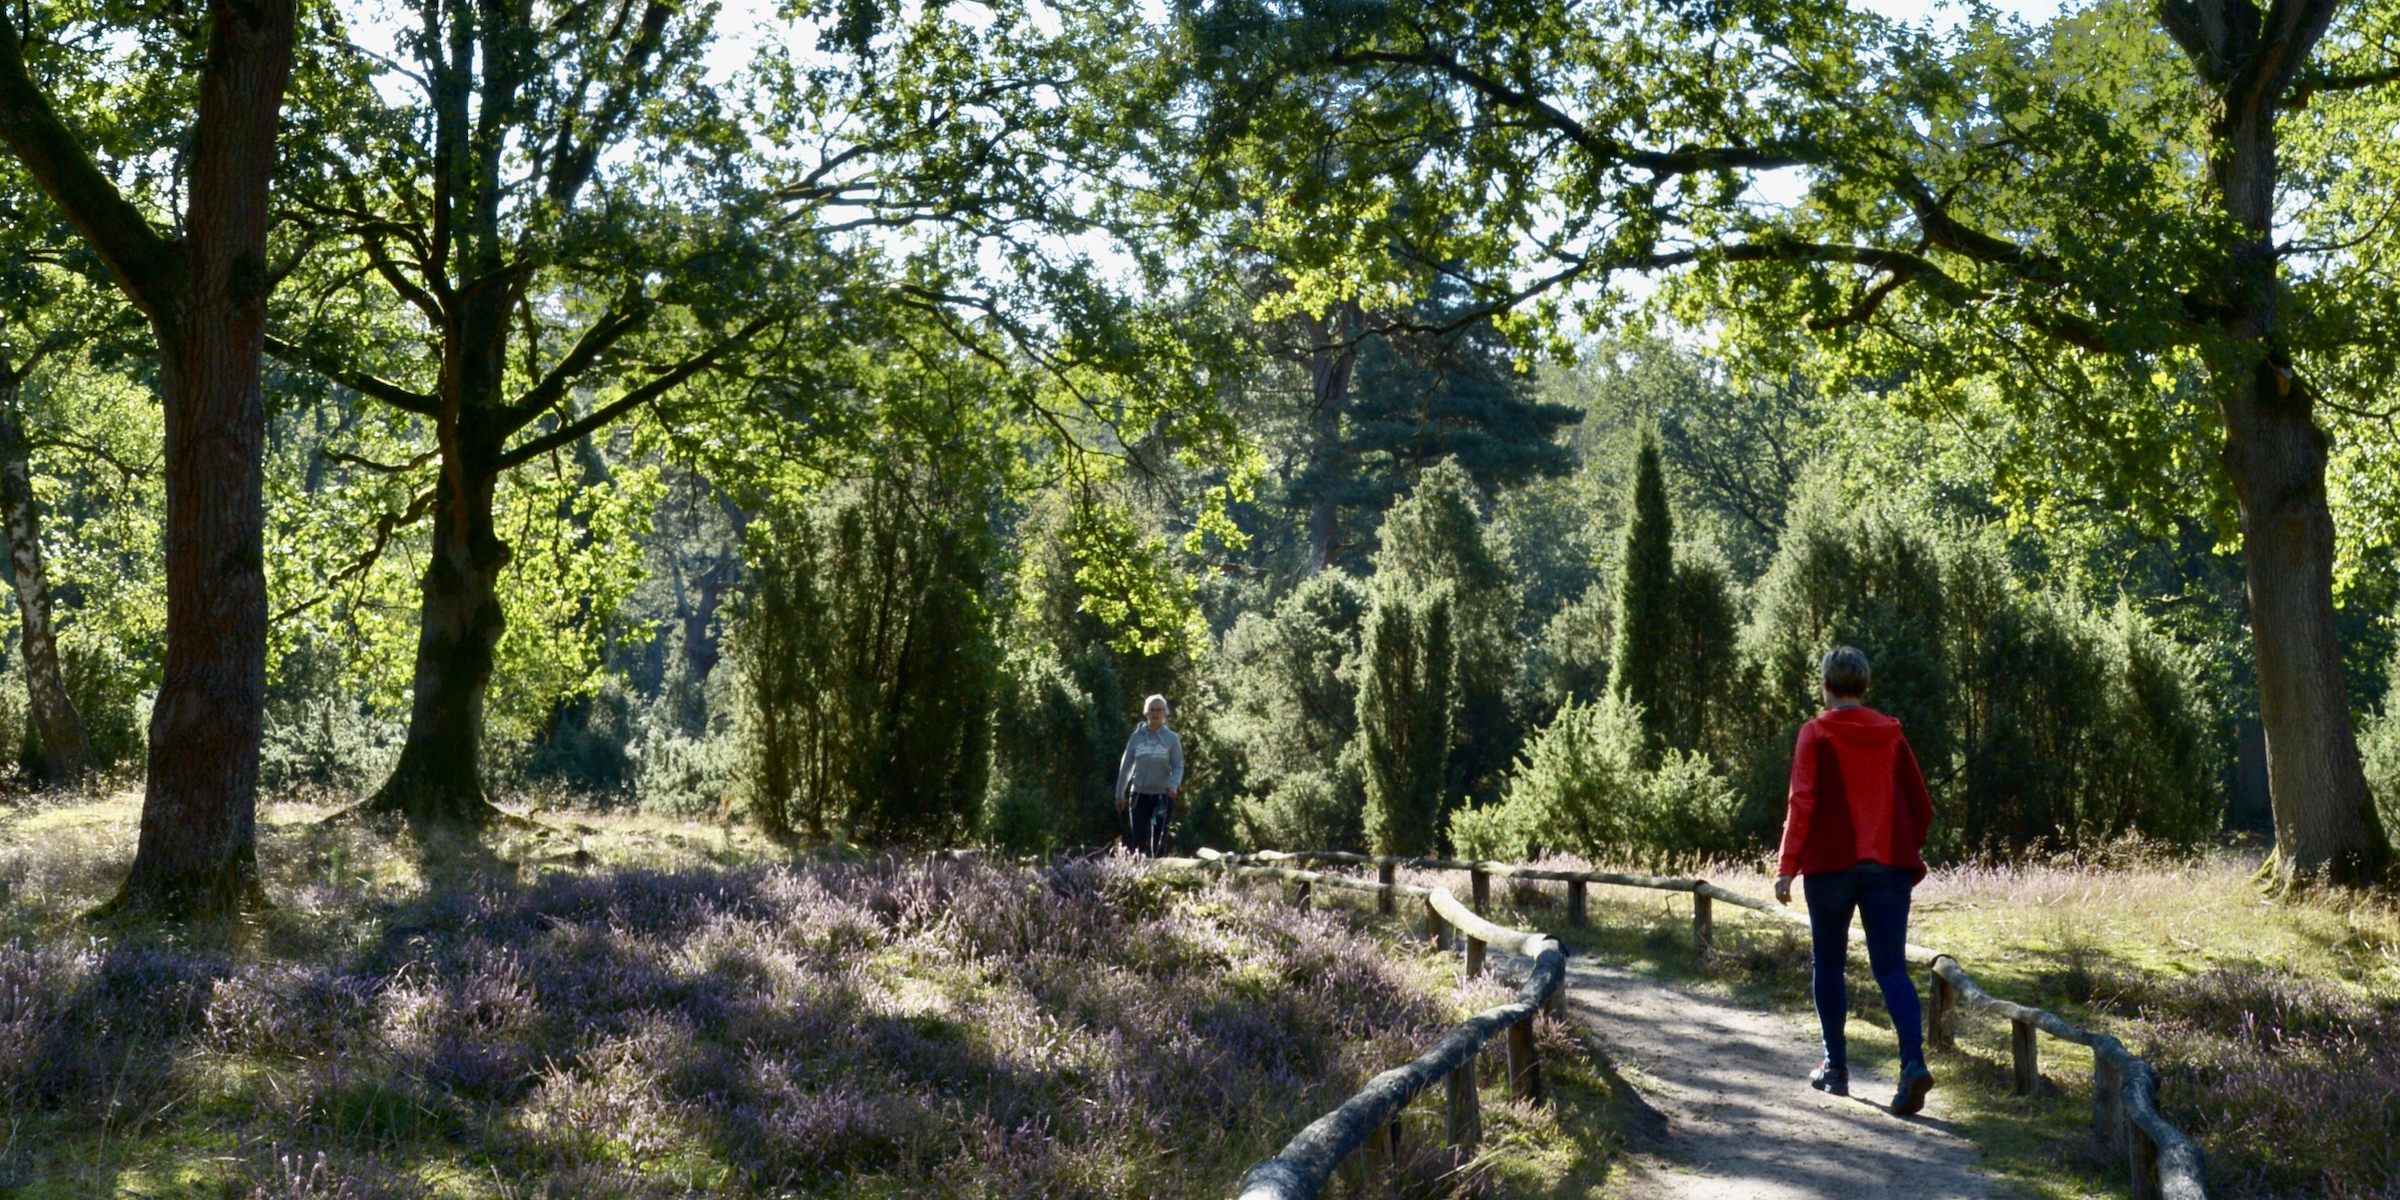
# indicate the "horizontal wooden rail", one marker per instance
pixel 1499 870
pixel 2164 1163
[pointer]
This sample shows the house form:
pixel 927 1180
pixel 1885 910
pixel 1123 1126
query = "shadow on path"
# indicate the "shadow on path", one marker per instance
pixel 1741 1120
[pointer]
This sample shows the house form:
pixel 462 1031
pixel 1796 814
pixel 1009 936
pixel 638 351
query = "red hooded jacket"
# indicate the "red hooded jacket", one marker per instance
pixel 1857 796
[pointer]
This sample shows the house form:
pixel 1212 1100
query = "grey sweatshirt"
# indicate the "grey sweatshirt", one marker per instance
pixel 1153 762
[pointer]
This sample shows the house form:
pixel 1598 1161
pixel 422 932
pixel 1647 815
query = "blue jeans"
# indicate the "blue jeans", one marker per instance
pixel 1879 894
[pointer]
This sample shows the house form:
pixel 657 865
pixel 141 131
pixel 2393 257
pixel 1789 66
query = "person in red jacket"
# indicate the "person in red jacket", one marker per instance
pixel 1855 831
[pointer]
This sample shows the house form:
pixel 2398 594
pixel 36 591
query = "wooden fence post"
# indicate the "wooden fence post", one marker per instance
pixel 2028 1056
pixel 1383 901
pixel 1524 1063
pixel 1474 956
pixel 1704 923
pixel 1942 1029
pixel 1466 1118
pixel 2108 1103
pixel 1575 903
pixel 1437 930
pixel 1483 894
pixel 1375 1159
pixel 2144 1155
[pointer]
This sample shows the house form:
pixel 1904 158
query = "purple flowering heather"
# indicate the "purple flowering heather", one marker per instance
pixel 910 1026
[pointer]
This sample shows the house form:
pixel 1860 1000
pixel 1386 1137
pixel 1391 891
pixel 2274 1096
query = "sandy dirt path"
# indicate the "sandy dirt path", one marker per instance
pixel 1740 1120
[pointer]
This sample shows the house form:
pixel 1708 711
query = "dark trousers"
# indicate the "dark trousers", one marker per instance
pixel 1151 813
pixel 1879 895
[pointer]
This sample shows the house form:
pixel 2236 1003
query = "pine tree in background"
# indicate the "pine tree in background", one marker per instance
pixel 1406 698
pixel 1403 401
pixel 1646 601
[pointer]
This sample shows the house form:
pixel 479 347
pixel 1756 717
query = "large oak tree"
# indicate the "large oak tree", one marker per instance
pixel 2067 217
pixel 202 281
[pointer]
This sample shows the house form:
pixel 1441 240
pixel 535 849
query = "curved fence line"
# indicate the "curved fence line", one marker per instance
pixel 1366 1125
pixel 2163 1162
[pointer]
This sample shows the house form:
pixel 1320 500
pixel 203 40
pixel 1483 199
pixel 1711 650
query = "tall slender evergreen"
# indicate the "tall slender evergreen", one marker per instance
pixel 1646 599
pixel 1407 695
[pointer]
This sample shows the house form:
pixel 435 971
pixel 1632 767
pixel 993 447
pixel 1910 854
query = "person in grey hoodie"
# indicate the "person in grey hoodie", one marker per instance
pixel 1151 775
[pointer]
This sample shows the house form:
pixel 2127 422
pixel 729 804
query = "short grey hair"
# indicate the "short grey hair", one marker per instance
pixel 1844 670
pixel 1160 701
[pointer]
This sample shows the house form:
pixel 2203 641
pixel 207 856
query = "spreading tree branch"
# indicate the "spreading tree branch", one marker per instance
pixel 674 377
pixel 364 384
pixel 621 319
pixel 385 525
pixel 142 261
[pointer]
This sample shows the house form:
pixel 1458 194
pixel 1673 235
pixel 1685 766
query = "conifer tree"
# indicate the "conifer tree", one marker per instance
pixel 1406 697
pixel 1646 599
pixel 1436 535
pixel 1415 390
pixel 1702 653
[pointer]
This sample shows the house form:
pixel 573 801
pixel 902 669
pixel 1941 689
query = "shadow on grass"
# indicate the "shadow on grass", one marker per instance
pixel 826 1028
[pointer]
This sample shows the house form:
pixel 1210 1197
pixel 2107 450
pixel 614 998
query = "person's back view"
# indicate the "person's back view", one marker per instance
pixel 1855 829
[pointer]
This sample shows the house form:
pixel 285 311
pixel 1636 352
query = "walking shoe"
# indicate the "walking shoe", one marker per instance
pixel 1830 1078
pixel 1915 1081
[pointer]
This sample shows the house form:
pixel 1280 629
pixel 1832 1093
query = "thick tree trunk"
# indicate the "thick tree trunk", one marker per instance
pixel 198 848
pixel 66 745
pixel 2324 819
pixel 439 778
pixel 205 292
pixel 1330 362
pixel 2325 825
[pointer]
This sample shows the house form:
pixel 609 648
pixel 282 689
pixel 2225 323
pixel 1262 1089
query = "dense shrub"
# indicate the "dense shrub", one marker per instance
pixel 1869 577
pixel 686 774
pixel 2039 721
pixel 867 662
pixel 328 743
pixel 1571 657
pixel 1701 653
pixel 1314 809
pixel 2079 728
pixel 1290 688
pixel 1050 765
pixel 1585 786
pixel 2379 745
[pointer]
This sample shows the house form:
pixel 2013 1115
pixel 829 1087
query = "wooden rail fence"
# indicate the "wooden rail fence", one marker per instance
pixel 2162 1162
pixel 1364 1132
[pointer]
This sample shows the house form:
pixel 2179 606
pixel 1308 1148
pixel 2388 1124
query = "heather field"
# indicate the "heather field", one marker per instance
pixel 2275 1025
pixel 605 1007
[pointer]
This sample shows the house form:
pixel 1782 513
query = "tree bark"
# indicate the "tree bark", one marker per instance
pixel 198 847
pixel 66 744
pixel 439 778
pixel 1331 359
pixel 2324 819
pixel 2275 455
